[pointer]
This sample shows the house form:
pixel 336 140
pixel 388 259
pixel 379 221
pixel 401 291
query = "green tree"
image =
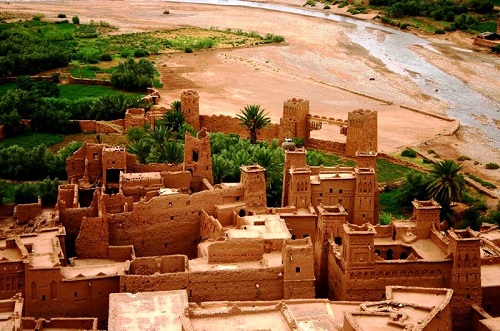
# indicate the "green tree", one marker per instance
pixel 141 148
pixel 446 185
pixel 414 187
pixel 253 119
pixel 222 168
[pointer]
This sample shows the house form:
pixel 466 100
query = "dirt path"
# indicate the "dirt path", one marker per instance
pixel 316 63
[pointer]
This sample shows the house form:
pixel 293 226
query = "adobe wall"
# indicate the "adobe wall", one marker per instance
pixel 176 179
pixel 246 284
pixel 361 132
pixel 115 126
pixel 231 125
pixel 210 227
pixel 485 42
pixel 234 251
pixel 47 295
pixel 369 284
pixel 88 126
pixel 24 213
pixel 12 279
pixel 159 264
pixel 89 324
pixel 326 146
pixel 93 239
pixel 490 297
pixel 133 166
pixel 88 81
pixel 301 226
pixel 121 253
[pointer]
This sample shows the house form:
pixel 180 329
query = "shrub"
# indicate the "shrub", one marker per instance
pixel 75 20
pixel 61 16
pixel 326 7
pixel 106 57
pixel 140 53
pixel 492 166
pixel 427 161
pixel 496 49
pixel 188 50
pixel 431 151
pixel 409 153
pixel 439 31
pixel 463 158
pixel 404 26
pixel 385 218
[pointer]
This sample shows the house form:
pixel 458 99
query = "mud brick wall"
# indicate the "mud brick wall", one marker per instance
pixel 25 212
pixel 235 251
pixel 121 253
pixel 231 125
pixel 93 240
pixel 88 126
pixel 326 146
pixel 6 210
pixel 88 81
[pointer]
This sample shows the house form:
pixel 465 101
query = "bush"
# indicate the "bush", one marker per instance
pixel 140 53
pixel 496 49
pixel 427 161
pixel 463 158
pixel 409 153
pixel 439 31
pixel 326 7
pixel 106 57
pixel 188 50
pixel 492 166
pixel 61 16
pixel 75 20
pixel 385 218
pixel 404 26
pixel 133 76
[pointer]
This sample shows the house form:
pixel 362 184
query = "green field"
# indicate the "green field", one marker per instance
pixel 76 91
pixel 389 172
pixel 32 140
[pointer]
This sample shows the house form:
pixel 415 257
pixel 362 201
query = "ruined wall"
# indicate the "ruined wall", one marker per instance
pixel 134 117
pixel 159 264
pixel 214 285
pixel 24 213
pixel 176 179
pixel 210 227
pixel 11 279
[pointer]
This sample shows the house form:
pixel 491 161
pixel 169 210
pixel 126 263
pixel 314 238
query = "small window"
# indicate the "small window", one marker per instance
pixel 305 235
pixel 195 156
pixel 166 245
pixel 76 294
pixel 43 298
pixel 340 191
pixel 297 269
pixel 331 190
pixel 170 204
pixel 293 236
pixel 468 296
pixel 321 194
pixel 171 218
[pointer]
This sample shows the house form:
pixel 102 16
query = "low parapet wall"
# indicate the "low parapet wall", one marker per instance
pixel 326 146
pixel 232 125
pixel 25 212
pixel 88 81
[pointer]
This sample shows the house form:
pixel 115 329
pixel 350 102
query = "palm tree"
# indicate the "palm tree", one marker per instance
pixel 141 148
pixel 446 185
pixel 254 119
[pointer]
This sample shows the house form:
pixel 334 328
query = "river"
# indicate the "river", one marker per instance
pixel 396 54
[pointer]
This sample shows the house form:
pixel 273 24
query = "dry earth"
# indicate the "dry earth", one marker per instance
pixel 317 63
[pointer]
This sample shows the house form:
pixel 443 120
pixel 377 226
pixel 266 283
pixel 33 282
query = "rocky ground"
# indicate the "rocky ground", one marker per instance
pixel 316 63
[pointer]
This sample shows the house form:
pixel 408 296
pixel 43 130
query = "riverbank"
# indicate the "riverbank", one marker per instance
pixel 317 62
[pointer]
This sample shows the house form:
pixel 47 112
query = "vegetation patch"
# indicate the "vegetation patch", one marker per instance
pixel 390 172
pixel 481 181
pixel 32 140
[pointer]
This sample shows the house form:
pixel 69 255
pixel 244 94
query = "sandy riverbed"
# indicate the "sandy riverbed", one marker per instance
pixel 316 63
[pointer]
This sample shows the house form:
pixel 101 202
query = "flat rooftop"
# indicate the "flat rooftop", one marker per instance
pixel 272 259
pixel 147 311
pixel 93 268
pixel 489 275
pixel 425 248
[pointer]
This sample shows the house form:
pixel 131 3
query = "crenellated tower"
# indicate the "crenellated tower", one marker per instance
pixel 293 159
pixel 361 132
pixel 465 248
pixel 190 107
pixel 294 122
pixel 198 159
